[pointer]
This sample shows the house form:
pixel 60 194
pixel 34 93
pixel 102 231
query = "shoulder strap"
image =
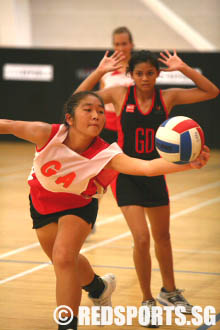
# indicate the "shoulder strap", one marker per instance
pixel 54 130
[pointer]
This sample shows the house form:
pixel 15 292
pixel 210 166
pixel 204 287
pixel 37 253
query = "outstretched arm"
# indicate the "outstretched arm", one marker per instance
pixel 107 64
pixel 133 166
pixel 205 89
pixel 111 94
pixel 35 132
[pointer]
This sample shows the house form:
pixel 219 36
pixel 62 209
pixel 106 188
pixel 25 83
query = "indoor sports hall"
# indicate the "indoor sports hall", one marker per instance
pixel 66 40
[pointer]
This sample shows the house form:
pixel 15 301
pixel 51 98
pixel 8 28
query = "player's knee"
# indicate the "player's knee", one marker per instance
pixel 63 258
pixel 142 242
pixel 162 238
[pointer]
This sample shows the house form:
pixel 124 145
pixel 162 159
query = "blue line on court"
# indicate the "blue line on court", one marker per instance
pixel 158 270
pixel 109 266
pixel 205 327
pixel 25 262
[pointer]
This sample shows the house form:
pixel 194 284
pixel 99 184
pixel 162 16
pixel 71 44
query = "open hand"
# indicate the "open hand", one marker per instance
pixel 111 63
pixel 202 159
pixel 173 62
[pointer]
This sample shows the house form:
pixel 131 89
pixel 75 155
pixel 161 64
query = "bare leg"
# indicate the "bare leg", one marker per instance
pixel 135 217
pixel 69 236
pixel 159 218
pixel 47 235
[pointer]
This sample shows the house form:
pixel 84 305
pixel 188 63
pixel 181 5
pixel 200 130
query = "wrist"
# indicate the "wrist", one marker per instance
pixel 184 68
pixel 100 71
pixel 194 165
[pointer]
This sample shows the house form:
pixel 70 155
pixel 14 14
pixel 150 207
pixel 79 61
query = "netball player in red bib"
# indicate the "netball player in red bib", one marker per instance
pixel 122 41
pixel 72 167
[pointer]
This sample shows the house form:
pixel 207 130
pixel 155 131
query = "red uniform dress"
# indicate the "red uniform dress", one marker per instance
pixel 112 79
pixel 62 179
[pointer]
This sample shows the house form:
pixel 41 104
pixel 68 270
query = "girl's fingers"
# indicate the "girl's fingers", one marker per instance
pixel 119 67
pixel 114 54
pixel 161 60
pixel 168 53
pixel 206 149
pixel 106 53
pixel 163 55
pixel 205 153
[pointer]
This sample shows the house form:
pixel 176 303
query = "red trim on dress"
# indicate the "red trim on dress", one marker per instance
pixel 164 105
pixel 138 107
pixel 54 130
pixel 115 72
pixel 119 126
pixel 97 146
pixel 105 176
pixel 111 120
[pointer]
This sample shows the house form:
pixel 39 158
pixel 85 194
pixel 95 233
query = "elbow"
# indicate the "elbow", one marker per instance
pixel 217 92
pixel 214 93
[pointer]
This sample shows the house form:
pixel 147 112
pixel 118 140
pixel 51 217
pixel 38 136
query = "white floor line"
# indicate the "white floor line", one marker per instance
pixel 12 170
pixel 196 207
pixel 92 247
pixel 187 193
pixel 197 251
pixel 110 219
pixel 175 197
pixel 115 238
pixel 194 191
pixel 29 271
pixel 179 25
pixel 16 176
pixel 31 246
pixel 105 242
pixel 24 248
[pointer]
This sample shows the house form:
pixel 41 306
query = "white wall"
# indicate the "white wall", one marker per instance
pixel 86 24
pixel 15 24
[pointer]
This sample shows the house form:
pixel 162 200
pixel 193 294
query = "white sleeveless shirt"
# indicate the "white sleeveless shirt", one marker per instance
pixel 111 79
pixel 116 78
pixel 59 169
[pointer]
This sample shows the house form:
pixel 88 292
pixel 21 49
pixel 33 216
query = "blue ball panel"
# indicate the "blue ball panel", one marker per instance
pixel 166 146
pixel 181 162
pixel 186 146
pixel 164 123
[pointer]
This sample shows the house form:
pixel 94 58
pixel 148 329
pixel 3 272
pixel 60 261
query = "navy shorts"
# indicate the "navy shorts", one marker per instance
pixel 87 213
pixel 141 190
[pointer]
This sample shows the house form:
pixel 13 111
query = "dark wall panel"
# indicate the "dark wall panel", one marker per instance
pixel 43 101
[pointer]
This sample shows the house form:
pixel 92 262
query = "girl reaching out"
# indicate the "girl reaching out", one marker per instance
pixel 71 168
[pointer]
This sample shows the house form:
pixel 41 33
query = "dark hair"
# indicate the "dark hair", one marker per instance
pixel 74 100
pixel 140 57
pixel 122 29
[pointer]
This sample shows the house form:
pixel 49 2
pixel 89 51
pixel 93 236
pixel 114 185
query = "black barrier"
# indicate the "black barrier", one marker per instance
pixel 38 93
